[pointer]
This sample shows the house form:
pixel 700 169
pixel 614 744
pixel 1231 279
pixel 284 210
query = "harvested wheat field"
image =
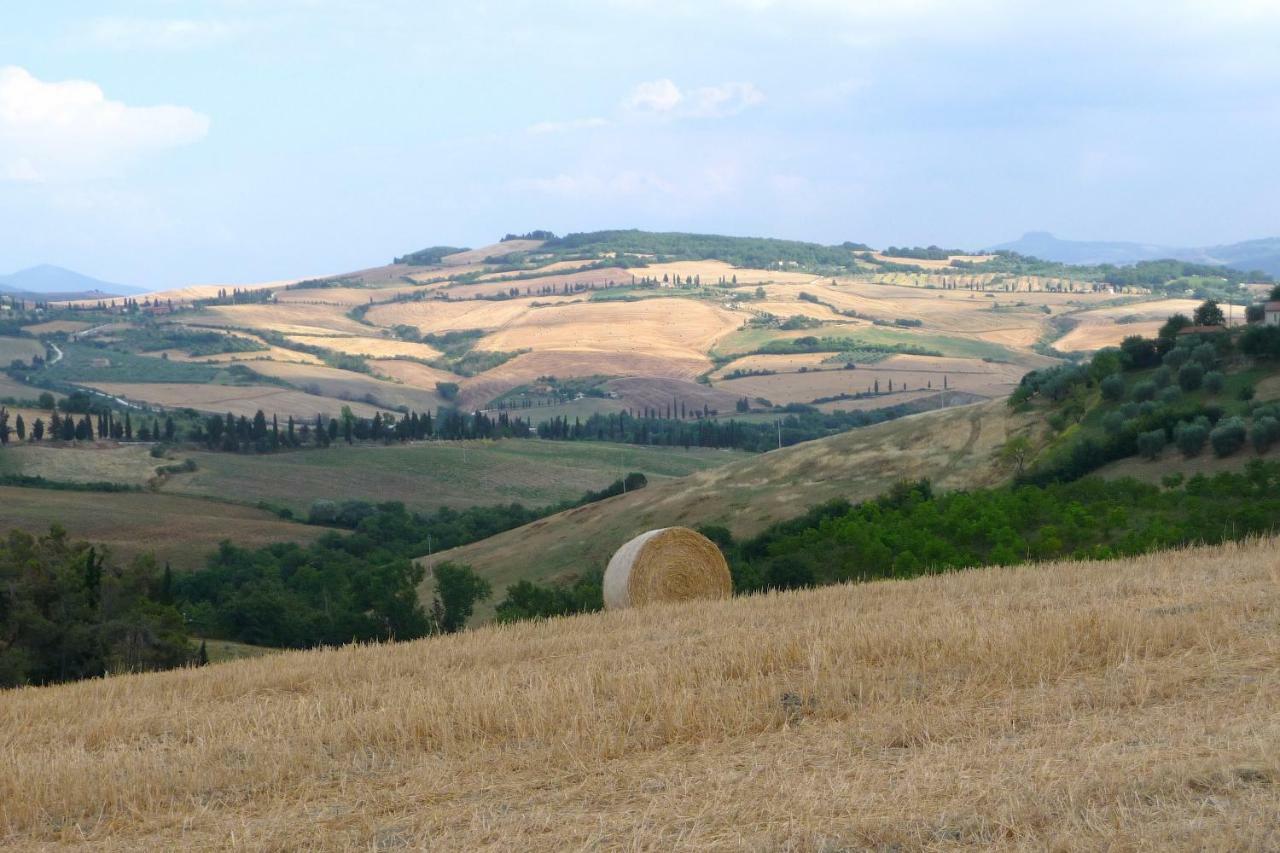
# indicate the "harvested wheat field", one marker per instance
pixel 346 385
pixel 54 327
pixel 678 328
pixel 1066 706
pixel 287 319
pixel 711 271
pixel 367 347
pixel 347 297
pixel 236 399
pixel 480 255
pixel 1107 327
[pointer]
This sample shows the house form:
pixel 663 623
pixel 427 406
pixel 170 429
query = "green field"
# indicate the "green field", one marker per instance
pixel 176 529
pixel 427 476
pixel 750 340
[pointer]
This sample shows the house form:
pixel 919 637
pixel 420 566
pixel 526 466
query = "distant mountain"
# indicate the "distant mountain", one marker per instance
pixel 47 279
pixel 1250 255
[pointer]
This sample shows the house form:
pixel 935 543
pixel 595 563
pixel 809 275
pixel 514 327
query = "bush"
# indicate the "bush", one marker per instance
pixel 1205 355
pixel 1151 443
pixel 1265 432
pixel 1168 395
pixel 1176 357
pixel 323 512
pixel 1113 422
pixel 1190 377
pixel 1247 392
pixel 1162 376
pixel 1228 436
pixel 1171 481
pixel 1214 382
pixel 1112 388
pixel 1144 390
pixel 1190 437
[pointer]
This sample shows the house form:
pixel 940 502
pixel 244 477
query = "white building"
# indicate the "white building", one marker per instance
pixel 1271 314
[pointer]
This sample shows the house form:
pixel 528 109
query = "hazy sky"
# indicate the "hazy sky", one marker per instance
pixel 161 142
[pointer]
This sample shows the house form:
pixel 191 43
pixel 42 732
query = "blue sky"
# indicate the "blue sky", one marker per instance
pixel 163 142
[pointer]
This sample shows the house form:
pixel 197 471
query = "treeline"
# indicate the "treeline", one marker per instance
pixel 929 253
pixel 757 252
pixel 912 531
pixel 358 586
pixel 66 612
pixel 429 256
pixel 262 435
pixel 103 423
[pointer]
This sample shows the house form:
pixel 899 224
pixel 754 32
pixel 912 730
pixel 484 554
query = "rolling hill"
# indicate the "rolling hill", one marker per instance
pixel 1263 255
pixel 955 448
pixel 1069 706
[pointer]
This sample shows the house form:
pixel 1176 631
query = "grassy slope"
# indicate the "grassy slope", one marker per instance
pixel 955 448
pixel 181 530
pixel 427 476
pixel 1068 706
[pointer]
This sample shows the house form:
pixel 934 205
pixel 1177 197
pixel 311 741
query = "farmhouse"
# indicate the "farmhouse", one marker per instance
pixel 1271 313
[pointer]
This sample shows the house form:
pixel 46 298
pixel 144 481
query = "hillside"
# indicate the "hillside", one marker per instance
pixel 1071 706
pixel 1261 254
pixel 955 448
pixel 50 280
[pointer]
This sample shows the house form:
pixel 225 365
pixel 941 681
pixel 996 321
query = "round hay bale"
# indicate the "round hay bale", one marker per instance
pixel 669 564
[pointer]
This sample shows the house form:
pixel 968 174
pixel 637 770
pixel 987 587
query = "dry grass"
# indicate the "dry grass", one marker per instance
pixel 56 326
pixel 82 462
pixel 989 379
pixel 1098 328
pixel 181 530
pixel 236 399
pixel 21 349
pixel 368 347
pixel 710 272
pixel 347 297
pixel 287 319
pixel 679 328
pixel 1070 706
pixel 347 385
pixel 477 256
pixel 956 449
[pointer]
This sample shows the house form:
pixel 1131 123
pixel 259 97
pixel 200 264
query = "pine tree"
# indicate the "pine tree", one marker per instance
pixel 202 656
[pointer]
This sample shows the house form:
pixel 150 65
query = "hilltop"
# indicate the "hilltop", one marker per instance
pixel 1072 706
pixel 54 282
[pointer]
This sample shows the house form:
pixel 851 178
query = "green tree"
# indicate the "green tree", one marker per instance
pixel 458 588
pixel 1209 314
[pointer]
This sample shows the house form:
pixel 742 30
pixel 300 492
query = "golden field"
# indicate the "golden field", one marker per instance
pixel 236 399
pixel 1123 705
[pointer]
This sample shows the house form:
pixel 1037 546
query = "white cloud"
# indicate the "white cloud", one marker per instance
pixel 153 34
pixel 664 99
pixel 69 130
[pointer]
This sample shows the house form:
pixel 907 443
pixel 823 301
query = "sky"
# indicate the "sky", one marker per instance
pixel 168 142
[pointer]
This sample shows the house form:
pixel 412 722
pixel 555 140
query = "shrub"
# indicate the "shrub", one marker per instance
pixel 1176 357
pixel 1168 395
pixel 1205 355
pixel 1265 432
pixel 1113 422
pixel 1190 437
pixel 1171 481
pixel 1228 436
pixel 1162 376
pixel 322 512
pixel 1214 382
pixel 1129 410
pixel 1190 377
pixel 1112 388
pixel 1247 392
pixel 1144 390
pixel 1151 443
